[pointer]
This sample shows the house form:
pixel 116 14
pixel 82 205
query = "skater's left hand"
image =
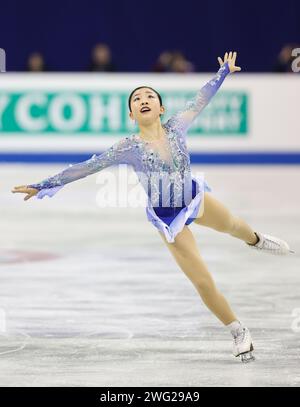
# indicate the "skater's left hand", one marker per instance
pixel 230 58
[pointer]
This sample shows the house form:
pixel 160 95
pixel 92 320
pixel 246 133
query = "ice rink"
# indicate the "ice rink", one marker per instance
pixel 90 296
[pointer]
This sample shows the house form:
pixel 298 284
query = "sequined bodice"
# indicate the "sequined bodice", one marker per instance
pixel 169 156
pixel 164 179
pixel 161 148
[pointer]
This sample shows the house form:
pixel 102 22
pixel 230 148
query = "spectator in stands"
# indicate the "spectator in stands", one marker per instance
pixel 173 61
pixel 36 62
pixel 285 58
pixel 180 64
pixel 163 64
pixel 101 59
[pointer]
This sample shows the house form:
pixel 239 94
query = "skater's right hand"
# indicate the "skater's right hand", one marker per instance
pixel 24 189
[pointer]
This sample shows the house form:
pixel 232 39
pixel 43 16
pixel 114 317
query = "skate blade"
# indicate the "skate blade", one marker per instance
pixel 291 251
pixel 247 357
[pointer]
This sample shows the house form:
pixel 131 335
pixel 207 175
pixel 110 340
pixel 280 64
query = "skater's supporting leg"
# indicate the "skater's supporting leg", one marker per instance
pixel 187 256
pixel 218 217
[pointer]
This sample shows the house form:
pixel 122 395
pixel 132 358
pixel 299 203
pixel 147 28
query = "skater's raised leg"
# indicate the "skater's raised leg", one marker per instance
pixel 215 215
pixel 218 217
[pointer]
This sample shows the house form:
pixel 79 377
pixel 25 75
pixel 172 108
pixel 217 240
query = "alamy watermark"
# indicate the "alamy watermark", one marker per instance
pixel 2 60
pixel 296 61
pixel 161 188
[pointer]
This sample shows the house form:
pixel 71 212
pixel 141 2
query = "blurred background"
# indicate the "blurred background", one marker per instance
pixel 72 273
pixel 70 67
pixel 143 37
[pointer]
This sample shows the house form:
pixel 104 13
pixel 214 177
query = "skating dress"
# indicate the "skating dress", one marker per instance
pixel 174 193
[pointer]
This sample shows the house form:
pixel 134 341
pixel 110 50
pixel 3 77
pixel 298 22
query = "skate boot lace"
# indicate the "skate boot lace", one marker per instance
pixel 269 244
pixel 240 336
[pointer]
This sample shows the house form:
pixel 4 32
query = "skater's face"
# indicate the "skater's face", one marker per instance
pixel 145 106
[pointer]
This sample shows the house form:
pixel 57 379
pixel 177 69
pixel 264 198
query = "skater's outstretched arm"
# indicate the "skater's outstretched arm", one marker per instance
pixel 183 119
pixel 118 153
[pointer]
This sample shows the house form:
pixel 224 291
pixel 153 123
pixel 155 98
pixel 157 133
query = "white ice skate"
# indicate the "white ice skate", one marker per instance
pixel 243 346
pixel 271 244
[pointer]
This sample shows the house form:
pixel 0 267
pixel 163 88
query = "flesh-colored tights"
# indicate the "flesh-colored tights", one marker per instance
pixel 187 255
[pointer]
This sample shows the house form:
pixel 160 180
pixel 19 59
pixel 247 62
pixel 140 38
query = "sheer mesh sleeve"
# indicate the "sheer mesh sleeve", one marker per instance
pixel 184 118
pixel 118 153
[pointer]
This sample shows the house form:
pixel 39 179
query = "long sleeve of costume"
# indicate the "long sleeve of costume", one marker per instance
pixel 184 118
pixel 118 153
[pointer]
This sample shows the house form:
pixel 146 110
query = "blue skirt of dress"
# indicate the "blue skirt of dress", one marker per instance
pixel 171 220
pixel 168 214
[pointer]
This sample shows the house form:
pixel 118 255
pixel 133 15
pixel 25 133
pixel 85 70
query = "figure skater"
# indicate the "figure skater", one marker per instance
pixel 160 149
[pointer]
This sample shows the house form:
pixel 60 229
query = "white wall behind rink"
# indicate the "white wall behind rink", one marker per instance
pixel 274 114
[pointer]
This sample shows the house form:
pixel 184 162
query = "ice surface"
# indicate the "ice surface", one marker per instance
pixel 90 296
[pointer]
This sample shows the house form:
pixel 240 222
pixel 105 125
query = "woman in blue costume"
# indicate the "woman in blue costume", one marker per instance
pixel 176 198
